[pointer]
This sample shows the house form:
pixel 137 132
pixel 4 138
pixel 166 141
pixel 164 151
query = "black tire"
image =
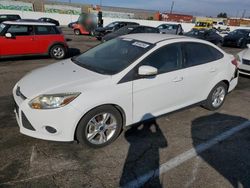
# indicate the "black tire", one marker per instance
pixel 208 104
pixel 83 126
pixel 77 32
pixel 243 43
pixel 57 51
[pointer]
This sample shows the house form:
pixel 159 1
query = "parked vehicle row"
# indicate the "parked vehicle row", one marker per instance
pixel 130 29
pixel 202 30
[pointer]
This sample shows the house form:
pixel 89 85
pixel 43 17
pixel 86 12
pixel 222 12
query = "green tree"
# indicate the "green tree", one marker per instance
pixel 222 15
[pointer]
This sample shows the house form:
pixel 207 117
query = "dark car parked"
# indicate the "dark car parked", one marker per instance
pixel 209 35
pixel 114 26
pixel 130 29
pixel 9 17
pixel 239 38
pixel 49 20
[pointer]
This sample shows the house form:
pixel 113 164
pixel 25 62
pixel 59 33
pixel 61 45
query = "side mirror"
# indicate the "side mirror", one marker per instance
pixel 248 45
pixel 146 70
pixel 8 35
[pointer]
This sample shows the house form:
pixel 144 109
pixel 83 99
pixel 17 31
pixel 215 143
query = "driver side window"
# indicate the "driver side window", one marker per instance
pixel 20 30
pixel 165 59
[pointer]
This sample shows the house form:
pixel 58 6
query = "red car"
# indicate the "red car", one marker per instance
pixel 79 29
pixel 31 38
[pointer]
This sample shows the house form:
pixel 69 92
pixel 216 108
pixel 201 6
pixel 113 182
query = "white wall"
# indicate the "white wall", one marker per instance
pixel 65 19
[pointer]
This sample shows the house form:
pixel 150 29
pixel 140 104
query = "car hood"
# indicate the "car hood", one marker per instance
pixel 61 77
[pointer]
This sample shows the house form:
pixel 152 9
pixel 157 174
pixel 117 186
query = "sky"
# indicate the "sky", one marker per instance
pixel 234 8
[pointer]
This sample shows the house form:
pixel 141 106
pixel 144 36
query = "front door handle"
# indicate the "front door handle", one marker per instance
pixel 178 79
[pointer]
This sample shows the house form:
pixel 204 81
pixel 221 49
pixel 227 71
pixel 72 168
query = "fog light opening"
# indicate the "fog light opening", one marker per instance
pixel 50 129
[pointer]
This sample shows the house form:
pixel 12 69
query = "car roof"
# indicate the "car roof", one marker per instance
pixel 28 23
pixel 152 37
pixel 9 15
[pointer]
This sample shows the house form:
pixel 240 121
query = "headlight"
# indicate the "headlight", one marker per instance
pixel 52 101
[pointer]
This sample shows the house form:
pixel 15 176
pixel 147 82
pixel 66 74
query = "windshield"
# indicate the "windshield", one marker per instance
pixel 196 32
pixel 111 24
pixel 113 56
pixel 2 26
pixel 239 32
pixel 202 24
pixel 124 30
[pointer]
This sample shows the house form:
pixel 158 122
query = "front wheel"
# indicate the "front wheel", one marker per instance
pixel 216 97
pixel 99 127
pixel 77 32
pixel 58 52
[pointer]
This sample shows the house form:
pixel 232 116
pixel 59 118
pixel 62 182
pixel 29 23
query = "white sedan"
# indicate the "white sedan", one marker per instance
pixel 244 58
pixel 93 96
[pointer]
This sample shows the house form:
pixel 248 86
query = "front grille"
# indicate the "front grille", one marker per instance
pixel 26 123
pixel 19 93
pixel 244 71
pixel 246 62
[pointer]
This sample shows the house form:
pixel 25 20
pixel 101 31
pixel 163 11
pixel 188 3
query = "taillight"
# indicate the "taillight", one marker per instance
pixel 235 63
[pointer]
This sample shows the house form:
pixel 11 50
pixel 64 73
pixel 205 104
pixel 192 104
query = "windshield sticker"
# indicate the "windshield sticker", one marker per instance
pixel 126 39
pixel 140 44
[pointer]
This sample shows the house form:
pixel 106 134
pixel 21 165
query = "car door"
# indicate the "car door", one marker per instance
pixel 157 95
pixel 201 65
pixel 22 41
pixel 45 36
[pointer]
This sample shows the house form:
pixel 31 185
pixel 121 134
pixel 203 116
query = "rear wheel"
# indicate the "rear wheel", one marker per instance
pixel 216 97
pixel 99 127
pixel 77 32
pixel 58 52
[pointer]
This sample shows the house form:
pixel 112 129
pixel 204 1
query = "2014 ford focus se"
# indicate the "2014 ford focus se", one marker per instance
pixel 91 97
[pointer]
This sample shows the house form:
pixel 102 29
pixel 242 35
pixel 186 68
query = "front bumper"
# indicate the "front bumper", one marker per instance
pixel 34 122
pixel 244 69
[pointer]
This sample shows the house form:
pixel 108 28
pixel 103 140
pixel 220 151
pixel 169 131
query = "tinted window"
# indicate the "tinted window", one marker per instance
pixel 20 30
pixel 197 53
pixel 165 59
pixel 45 30
pixel 151 30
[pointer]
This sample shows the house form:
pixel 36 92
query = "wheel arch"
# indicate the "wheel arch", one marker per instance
pixel 53 44
pixel 117 107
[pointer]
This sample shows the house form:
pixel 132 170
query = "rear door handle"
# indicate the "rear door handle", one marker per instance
pixel 178 79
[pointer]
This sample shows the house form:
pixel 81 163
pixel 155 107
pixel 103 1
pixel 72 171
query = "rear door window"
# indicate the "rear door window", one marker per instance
pixel 45 30
pixel 198 54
